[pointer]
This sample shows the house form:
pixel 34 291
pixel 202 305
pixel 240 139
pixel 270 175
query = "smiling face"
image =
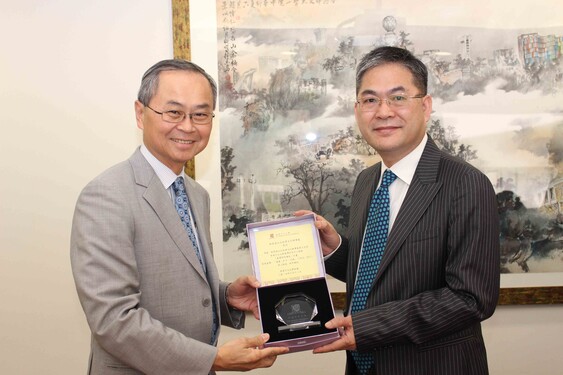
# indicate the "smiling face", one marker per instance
pixel 392 132
pixel 176 143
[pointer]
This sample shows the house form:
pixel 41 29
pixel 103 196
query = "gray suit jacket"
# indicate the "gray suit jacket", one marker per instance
pixel 146 299
pixel 439 275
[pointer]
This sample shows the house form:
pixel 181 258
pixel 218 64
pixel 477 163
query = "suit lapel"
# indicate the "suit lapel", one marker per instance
pixel 159 199
pixel 199 208
pixel 364 190
pixel 421 193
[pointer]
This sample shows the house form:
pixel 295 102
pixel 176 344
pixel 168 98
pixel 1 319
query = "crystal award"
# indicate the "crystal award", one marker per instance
pixel 296 312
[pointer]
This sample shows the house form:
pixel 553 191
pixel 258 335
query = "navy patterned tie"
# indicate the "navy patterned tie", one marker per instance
pixel 375 239
pixel 183 209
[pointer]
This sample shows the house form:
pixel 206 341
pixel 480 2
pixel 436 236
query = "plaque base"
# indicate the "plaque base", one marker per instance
pixel 299 326
pixel 306 338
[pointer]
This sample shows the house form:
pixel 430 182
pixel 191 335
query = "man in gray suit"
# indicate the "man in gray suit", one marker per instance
pixel 141 249
pixel 438 275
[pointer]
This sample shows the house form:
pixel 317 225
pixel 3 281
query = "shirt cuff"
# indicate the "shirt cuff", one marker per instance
pixel 333 251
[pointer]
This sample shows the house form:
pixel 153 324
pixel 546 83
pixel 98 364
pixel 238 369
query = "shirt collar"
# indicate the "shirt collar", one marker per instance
pixel 165 174
pixel 405 168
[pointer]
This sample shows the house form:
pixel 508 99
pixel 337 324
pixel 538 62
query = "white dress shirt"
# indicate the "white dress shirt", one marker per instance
pixel 404 170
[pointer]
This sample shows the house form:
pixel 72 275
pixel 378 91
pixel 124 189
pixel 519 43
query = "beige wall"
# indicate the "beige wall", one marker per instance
pixel 69 72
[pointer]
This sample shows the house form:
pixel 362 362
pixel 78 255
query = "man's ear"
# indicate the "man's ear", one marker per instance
pixel 356 109
pixel 427 105
pixel 139 114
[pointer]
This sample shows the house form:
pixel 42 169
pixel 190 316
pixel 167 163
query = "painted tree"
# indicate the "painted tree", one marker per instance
pixel 227 169
pixel 283 90
pixel 461 63
pixel 323 184
pixel 441 67
pixel 448 142
pixel 310 179
pixel 404 41
pixel 257 115
pixel 333 64
pixel 237 226
pixel 342 64
pixel 346 180
pixel 346 52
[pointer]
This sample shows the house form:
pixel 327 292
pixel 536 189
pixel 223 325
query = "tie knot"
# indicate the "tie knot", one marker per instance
pixel 388 178
pixel 178 185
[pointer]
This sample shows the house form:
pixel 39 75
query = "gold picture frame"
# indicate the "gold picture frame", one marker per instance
pixel 508 296
pixel 182 48
pixel 544 295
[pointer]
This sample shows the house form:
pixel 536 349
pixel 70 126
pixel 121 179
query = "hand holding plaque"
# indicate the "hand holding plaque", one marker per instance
pixel 296 311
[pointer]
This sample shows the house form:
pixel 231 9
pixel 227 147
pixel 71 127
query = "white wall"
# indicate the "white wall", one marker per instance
pixel 69 73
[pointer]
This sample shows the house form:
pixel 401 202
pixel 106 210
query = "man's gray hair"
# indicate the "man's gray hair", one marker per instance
pixel 149 82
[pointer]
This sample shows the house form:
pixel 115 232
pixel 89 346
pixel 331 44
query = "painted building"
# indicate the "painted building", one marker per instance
pixel 539 49
pixel 553 199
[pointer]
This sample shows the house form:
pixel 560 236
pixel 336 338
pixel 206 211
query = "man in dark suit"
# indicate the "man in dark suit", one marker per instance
pixel 141 249
pixel 438 275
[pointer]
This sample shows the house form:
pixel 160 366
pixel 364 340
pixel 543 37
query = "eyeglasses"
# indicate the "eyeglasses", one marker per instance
pixel 199 118
pixel 372 103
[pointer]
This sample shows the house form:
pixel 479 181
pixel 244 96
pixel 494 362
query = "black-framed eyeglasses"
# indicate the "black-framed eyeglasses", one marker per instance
pixel 173 116
pixel 372 103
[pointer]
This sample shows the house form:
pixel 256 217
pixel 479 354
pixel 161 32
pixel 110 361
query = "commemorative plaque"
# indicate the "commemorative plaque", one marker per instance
pixel 294 300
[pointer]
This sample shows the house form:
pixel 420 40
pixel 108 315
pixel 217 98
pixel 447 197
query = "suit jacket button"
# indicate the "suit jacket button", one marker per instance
pixel 206 302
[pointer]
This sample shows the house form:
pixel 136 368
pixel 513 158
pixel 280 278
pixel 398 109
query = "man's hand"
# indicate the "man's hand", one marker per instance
pixel 347 340
pixel 330 239
pixel 246 353
pixel 241 294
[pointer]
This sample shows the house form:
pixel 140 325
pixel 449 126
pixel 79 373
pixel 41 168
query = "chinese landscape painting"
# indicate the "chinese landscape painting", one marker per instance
pixel 286 103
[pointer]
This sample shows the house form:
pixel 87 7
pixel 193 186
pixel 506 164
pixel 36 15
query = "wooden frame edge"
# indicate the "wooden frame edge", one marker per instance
pixel 545 295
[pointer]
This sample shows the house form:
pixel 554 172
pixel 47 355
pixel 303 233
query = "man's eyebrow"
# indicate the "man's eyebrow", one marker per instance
pixel 392 91
pixel 175 103
pixel 202 106
pixel 197 106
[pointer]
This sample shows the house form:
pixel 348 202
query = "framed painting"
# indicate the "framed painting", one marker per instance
pixel 288 139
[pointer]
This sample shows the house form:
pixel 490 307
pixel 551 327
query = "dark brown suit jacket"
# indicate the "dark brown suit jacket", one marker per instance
pixel 439 275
